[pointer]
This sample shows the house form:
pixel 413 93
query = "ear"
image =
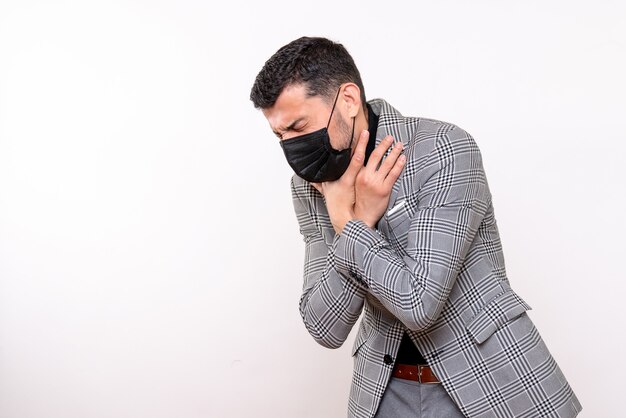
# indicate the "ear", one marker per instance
pixel 351 98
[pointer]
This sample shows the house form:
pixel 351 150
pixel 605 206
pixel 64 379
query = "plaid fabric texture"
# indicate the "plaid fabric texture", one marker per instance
pixel 434 267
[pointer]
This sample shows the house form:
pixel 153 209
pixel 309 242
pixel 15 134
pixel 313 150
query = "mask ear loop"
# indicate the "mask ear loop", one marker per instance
pixel 352 135
pixel 333 109
pixel 331 116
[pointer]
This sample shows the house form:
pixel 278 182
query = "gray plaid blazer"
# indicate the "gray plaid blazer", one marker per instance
pixel 434 267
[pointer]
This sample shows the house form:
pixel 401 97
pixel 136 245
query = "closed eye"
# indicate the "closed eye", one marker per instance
pixel 296 126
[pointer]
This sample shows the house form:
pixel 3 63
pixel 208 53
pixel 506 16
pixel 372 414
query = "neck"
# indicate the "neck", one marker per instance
pixel 360 125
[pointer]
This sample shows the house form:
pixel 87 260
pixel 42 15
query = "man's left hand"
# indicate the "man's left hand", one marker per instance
pixel 375 181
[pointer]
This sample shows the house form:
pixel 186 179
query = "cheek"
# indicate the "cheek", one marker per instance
pixel 341 135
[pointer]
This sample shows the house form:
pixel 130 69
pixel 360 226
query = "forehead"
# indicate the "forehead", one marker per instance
pixel 292 104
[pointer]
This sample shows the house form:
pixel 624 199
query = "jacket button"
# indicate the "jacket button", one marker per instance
pixel 388 359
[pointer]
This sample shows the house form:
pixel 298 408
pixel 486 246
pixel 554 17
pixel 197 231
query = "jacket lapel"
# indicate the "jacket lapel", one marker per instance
pixel 391 122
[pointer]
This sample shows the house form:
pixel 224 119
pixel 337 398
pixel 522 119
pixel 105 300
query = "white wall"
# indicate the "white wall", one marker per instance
pixel 150 262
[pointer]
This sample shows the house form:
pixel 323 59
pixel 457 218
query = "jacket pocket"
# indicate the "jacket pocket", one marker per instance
pixel 397 227
pixel 399 213
pixel 502 309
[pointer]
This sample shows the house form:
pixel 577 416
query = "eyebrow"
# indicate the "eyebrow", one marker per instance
pixel 290 127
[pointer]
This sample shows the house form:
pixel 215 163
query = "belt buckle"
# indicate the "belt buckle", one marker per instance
pixel 419 375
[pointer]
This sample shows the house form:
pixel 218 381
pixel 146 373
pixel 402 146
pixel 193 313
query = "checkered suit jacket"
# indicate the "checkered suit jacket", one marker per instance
pixel 435 268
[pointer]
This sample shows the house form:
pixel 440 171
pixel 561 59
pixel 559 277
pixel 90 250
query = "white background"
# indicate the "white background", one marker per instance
pixel 150 261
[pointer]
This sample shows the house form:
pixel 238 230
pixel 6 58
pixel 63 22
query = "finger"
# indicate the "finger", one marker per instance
pixel 361 145
pixel 378 153
pixel 356 163
pixel 395 171
pixel 390 161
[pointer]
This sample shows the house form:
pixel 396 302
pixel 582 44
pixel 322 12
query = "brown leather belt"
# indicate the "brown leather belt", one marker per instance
pixel 419 373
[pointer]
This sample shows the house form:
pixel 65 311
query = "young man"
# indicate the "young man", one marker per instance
pixel 398 223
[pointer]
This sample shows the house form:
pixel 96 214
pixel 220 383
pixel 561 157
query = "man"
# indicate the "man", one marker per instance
pixel 398 222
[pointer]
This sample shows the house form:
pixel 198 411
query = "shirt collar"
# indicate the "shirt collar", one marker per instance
pixel 372 126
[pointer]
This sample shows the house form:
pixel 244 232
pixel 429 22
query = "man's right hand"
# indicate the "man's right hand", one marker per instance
pixel 374 184
pixel 340 194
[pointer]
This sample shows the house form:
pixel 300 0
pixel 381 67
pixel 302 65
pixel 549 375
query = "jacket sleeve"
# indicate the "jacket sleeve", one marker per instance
pixel 330 304
pixel 450 197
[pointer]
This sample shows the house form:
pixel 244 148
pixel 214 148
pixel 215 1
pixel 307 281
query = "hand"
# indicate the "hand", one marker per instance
pixel 340 194
pixel 374 184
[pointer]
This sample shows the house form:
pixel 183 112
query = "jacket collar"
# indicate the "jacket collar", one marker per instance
pixel 390 122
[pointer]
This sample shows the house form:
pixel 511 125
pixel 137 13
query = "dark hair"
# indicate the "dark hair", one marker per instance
pixel 321 64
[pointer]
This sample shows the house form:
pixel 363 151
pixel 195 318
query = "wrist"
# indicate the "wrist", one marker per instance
pixel 340 222
pixel 360 215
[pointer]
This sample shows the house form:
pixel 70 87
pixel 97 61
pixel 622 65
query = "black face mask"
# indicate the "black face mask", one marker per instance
pixel 313 158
